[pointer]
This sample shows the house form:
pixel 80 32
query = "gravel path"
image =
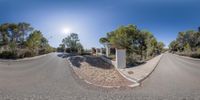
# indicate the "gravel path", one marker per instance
pixel 51 78
pixel 97 72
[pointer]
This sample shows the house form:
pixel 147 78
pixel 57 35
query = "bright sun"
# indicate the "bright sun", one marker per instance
pixel 66 30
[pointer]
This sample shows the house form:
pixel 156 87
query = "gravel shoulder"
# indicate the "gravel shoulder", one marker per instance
pixel 95 71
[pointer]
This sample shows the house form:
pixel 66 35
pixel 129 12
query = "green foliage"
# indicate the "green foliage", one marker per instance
pixel 173 46
pixel 160 46
pixel 187 43
pixel 93 51
pixel 138 44
pixel 103 40
pixel 17 38
pixel 28 54
pixel 8 55
pixel 187 48
pixel 124 37
pixel 61 48
pixel 34 40
pixel 73 43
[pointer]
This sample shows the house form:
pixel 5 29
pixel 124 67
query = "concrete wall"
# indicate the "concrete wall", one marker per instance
pixel 107 51
pixel 120 62
pixel 120 58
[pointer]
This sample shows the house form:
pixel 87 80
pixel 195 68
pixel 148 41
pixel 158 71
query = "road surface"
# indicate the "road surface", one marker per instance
pixel 51 78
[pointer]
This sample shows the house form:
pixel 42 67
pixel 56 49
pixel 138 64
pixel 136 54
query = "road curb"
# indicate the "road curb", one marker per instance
pixel 151 71
pixel 24 59
pixel 103 86
pixel 140 80
pixel 186 57
pixel 130 79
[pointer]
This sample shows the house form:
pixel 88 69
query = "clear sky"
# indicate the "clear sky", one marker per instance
pixel 92 19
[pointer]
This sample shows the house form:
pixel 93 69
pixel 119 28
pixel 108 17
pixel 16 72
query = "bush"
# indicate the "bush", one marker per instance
pixel 191 54
pixel 85 53
pixel 43 51
pixel 28 54
pixel 93 51
pixel 8 55
pixel 112 51
pixel 195 55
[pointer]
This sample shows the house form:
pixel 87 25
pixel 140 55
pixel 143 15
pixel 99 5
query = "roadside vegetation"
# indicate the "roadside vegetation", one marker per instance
pixel 187 44
pixel 140 45
pixel 71 44
pixel 19 40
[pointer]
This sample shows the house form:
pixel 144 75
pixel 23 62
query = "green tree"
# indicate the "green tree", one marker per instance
pixel 181 39
pixel 80 48
pixel 160 47
pixel 150 45
pixel 103 40
pixel 125 37
pixel 15 34
pixel 173 46
pixel 72 42
pixel 188 41
pixel 34 41
pixel 24 28
pixel 14 40
pixel 4 34
pixel 135 41
pixel 44 42
pixel 187 48
pixel 61 48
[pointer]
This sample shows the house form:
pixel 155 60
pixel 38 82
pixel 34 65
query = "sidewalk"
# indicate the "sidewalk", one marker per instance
pixel 139 73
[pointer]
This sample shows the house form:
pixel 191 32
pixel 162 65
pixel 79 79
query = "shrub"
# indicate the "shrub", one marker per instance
pixel 85 53
pixel 8 55
pixel 28 54
pixel 93 51
pixel 42 51
pixel 112 51
pixel 195 55
pixel 191 54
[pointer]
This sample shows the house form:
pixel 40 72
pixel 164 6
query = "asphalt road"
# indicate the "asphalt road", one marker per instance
pixel 51 78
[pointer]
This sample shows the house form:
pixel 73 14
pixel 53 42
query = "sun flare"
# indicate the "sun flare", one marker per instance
pixel 66 30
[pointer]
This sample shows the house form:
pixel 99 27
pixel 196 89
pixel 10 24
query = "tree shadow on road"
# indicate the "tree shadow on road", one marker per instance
pixel 98 62
pixel 66 55
pixel 92 61
pixel 136 64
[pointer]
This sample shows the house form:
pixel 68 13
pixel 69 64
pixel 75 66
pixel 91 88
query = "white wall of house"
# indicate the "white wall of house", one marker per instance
pixel 120 61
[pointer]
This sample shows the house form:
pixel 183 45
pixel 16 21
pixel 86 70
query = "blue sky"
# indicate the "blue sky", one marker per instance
pixel 92 19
